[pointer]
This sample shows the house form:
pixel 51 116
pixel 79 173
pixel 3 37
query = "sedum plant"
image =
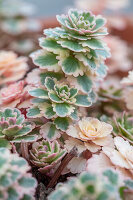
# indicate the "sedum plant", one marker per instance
pixel 76 48
pixel 12 68
pixel 46 155
pixel 123 125
pixel 15 181
pixel 71 62
pixel 107 186
pixel 58 101
pixel 110 98
pixel 14 127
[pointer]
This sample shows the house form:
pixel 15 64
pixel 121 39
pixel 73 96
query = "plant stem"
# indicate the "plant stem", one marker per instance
pixel 14 148
pixel 24 150
pixel 63 164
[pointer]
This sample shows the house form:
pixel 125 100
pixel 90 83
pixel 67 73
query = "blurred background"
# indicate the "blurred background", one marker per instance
pixel 47 8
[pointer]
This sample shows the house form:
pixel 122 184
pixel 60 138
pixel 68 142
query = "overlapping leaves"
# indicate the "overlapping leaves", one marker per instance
pixel 15 181
pixel 86 186
pixel 76 48
pixel 58 101
pixel 14 127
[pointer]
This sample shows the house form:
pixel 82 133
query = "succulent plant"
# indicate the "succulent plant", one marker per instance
pixel 11 96
pixel 12 68
pixel 58 100
pixel 46 155
pixel 120 52
pixel 14 127
pixel 76 48
pixel 71 61
pixel 110 92
pixel 110 97
pixel 55 99
pixel 15 181
pixel 107 186
pixel 123 125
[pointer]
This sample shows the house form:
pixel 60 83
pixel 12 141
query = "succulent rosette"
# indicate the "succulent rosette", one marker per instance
pixel 61 98
pixel 83 23
pixel 58 101
pixel 92 133
pixel 76 48
pixel 15 181
pixel 46 155
pixel 12 68
pixel 14 127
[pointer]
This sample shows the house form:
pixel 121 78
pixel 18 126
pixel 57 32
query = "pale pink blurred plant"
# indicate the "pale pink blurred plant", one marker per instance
pixel 116 4
pixel 127 84
pixel 12 68
pixel 128 97
pixel 15 95
pixel 97 6
pixel 121 155
pixel 100 162
pixel 128 81
pixel 119 60
pixel 11 95
pixel 116 22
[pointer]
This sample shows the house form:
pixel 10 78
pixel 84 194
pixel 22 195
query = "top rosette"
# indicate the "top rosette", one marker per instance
pixel 82 25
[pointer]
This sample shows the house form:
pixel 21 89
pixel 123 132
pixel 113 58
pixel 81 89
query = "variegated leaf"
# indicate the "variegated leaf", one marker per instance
pixel 49 131
pixel 39 92
pixel 63 109
pixel 93 44
pixel 44 75
pixel 47 110
pixel 49 83
pixel 62 123
pixel 33 112
pixel 50 45
pixel 71 66
pixel 72 45
pixel 83 100
pixel 85 83
pixel 46 60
